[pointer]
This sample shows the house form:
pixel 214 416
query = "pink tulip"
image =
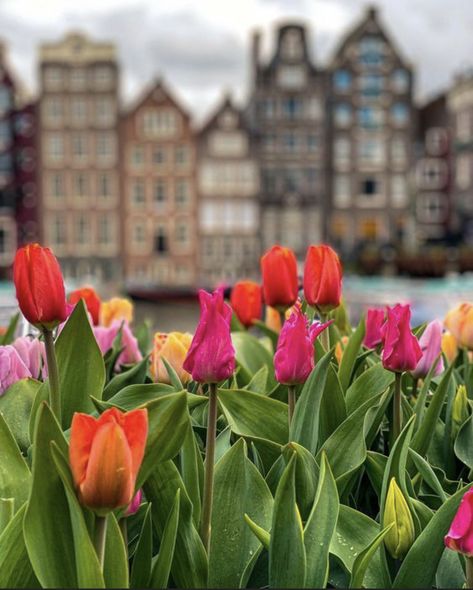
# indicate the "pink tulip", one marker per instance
pixel 33 355
pixel 211 356
pixel 106 335
pixel 460 536
pixel 294 358
pixel 12 368
pixel 134 505
pixel 375 319
pixel 401 350
pixel 431 346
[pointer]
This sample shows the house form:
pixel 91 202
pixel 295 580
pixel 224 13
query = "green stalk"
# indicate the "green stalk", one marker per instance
pixel 291 402
pixel 325 335
pixel 53 374
pixel 397 409
pixel 282 317
pixel 100 536
pixel 469 571
pixel 209 467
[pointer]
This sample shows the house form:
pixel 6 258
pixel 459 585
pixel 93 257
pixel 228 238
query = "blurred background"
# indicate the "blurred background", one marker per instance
pixel 161 147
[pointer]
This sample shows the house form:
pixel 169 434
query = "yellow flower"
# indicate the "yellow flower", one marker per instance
pixel 459 321
pixel 400 537
pixel 273 319
pixel 449 346
pixel 340 347
pixel 116 308
pixel 173 347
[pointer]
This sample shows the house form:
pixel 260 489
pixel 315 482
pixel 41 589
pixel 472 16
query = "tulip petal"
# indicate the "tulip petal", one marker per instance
pixel 83 430
pixel 135 426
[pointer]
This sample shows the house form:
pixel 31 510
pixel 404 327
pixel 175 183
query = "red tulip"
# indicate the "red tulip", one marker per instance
pixel 401 349
pixel 246 300
pixel 39 286
pixel 375 319
pixel 91 300
pixel 279 271
pixel 105 456
pixel 322 278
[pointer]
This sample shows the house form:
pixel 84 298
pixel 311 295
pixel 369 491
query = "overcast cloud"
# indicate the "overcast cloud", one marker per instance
pixel 201 47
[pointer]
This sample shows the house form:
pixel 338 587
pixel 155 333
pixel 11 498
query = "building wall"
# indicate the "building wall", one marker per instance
pixel 158 162
pixel 228 186
pixel 78 122
pixel 371 136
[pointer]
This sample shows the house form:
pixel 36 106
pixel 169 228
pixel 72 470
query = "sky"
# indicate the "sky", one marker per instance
pixel 202 47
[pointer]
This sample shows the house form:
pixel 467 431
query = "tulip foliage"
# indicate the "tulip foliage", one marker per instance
pixel 328 455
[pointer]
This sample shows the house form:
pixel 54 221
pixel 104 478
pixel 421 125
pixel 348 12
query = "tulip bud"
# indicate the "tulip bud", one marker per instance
pixel 106 336
pixel 322 278
pixel 375 319
pixel 116 308
pixel 460 536
pixel 246 301
pixel 449 346
pixel 400 537
pixel 461 407
pixel 174 348
pixel 459 322
pixel 91 300
pixel 105 456
pixel 12 368
pixel 401 350
pixel 279 272
pixel 39 286
pixel 430 343
pixel 340 347
pixel 134 505
pixel 211 357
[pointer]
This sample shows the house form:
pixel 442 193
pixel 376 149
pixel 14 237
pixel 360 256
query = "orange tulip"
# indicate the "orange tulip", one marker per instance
pixel 459 322
pixel 173 347
pixel 91 300
pixel 39 286
pixel 105 456
pixel 449 346
pixel 322 278
pixel 246 301
pixel 279 271
pixel 116 308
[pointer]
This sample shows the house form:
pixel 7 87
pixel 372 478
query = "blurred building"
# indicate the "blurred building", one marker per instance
pixel 158 165
pixel 78 123
pixel 228 185
pixel 372 114
pixel 432 175
pixel 460 107
pixel 287 117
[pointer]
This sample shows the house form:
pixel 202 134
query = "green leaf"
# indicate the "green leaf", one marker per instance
pixel 173 376
pixel 363 560
pixel 287 556
pixel 333 409
pixel 464 443
pixel 271 334
pixel 15 566
pixel 371 382
pixel 7 511
pixel 428 474
pixel 252 414
pixel 134 396
pixel 80 363
pixel 240 489
pixel 189 565
pixel 47 526
pixel 423 436
pixel 162 563
pixel 168 420
pixel 305 422
pixel 134 376
pixel 115 569
pixel 15 476
pixel 192 471
pixel 375 465
pixel 42 395
pixel 420 564
pixel 143 335
pixel 15 407
pixel 141 566
pixel 350 354
pixel 306 479
pixel 261 534
pixel 9 335
pixel 89 574
pixel 320 528
pixel 259 381
pixel 251 355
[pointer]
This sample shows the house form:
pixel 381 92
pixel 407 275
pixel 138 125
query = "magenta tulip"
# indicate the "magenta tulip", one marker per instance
pixel 401 350
pixel 12 368
pixel 134 505
pixel 460 536
pixel 375 319
pixel 33 354
pixel 106 335
pixel 431 346
pixel 211 356
pixel 294 358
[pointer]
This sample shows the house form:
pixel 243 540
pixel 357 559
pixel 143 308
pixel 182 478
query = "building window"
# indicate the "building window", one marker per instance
pixel 105 146
pixel 159 156
pixel 81 185
pixel 6 101
pixel 400 81
pixel 182 155
pixel 79 146
pixel 371 151
pixel 291 77
pixel 58 231
pixel 268 108
pixel 312 142
pixel 160 194
pixel 371 117
pixel 160 123
pixel 78 79
pixel 160 240
pixel 292 108
pixel 398 152
pixel 78 111
pixel 431 208
pixel 7 241
pixel 342 151
pixel 369 187
pixel 104 186
pixel 436 141
pixel 54 110
pixel 104 110
pixel 5 134
pixel 57 185
pixel 138 193
pixel 431 173
pixel 137 156
pixel 182 234
pixel 53 77
pixel 83 230
pixel 343 115
pixel 55 147
pixel 342 192
pixel 400 114
pixel 371 85
pixel 291 45
pixel 139 233
pixel 399 193
pixel 463 171
pixel 463 126
pixel 314 108
pixel 372 51
pixel 182 193
pixel 342 80
pixel 290 142
pixel 104 77
pixel 104 233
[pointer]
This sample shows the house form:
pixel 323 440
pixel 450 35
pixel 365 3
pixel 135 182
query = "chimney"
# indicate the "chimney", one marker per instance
pixel 372 11
pixel 255 52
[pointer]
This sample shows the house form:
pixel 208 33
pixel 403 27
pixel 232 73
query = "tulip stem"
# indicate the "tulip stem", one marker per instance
pixel 397 409
pixel 291 402
pixel 325 335
pixel 209 467
pixel 282 317
pixel 124 530
pixel 100 536
pixel 53 374
pixel 469 571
